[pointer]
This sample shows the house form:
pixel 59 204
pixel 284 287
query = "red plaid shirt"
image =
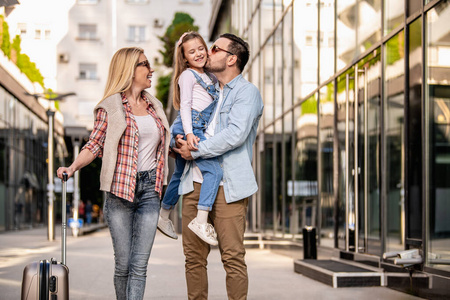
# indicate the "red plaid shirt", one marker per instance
pixel 124 180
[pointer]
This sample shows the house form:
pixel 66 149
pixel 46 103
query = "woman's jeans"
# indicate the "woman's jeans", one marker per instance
pixel 133 227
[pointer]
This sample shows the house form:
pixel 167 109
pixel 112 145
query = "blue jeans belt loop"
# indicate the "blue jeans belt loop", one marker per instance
pixel 143 173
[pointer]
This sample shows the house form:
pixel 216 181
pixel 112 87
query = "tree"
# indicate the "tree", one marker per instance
pixel 162 88
pixel 181 23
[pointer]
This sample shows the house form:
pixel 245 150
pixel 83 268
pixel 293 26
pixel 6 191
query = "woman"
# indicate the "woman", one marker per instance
pixel 131 134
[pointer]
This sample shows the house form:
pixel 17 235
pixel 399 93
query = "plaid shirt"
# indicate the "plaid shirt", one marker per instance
pixel 124 180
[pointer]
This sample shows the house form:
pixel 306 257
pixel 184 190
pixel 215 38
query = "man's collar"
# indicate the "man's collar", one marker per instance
pixel 233 82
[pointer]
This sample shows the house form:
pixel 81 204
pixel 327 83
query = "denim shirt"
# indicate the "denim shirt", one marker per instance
pixel 233 140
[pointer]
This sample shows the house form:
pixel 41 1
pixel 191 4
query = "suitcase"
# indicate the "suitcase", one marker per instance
pixel 49 279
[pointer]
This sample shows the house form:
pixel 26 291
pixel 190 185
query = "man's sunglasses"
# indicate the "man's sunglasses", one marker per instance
pixel 214 49
pixel 144 63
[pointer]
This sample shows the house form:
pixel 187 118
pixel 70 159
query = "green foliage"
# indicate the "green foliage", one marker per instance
pixel 16 47
pixel 415 37
pixel 181 23
pixel 29 69
pixel 309 106
pixel 13 52
pixel 6 43
pixel 162 89
pixel 395 49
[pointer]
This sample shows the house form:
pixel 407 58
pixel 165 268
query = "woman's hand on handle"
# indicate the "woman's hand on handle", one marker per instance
pixel 69 171
pixel 84 158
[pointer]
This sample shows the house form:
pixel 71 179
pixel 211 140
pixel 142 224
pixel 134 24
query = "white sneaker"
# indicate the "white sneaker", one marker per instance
pixel 204 231
pixel 167 228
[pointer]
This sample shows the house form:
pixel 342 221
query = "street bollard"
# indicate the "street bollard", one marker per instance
pixel 309 243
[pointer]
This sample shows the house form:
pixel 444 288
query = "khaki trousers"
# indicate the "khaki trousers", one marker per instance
pixel 229 223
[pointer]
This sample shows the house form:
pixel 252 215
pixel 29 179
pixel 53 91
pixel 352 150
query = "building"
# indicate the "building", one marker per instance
pixel 23 148
pixel 97 29
pixel 355 134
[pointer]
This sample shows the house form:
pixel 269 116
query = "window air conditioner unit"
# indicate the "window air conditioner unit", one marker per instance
pixel 64 58
pixel 157 23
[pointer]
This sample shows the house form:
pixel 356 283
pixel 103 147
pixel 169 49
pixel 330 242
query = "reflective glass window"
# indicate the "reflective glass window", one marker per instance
pixel 305 185
pixel 288 161
pixel 394 15
pixel 394 137
pixel 268 83
pixel 415 158
pixel 438 102
pixel 413 6
pixel 358 28
pixel 346 32
pixel 306 52
pixel 268 164
pixel 278 75
pixel 326 141
pixel 326 40
pixel 279 202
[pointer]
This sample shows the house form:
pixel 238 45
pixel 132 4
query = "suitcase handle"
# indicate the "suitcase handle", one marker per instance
pixel 64 218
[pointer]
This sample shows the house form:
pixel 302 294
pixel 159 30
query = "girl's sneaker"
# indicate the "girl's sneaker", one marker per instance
pixel 167 228
pixel 204 231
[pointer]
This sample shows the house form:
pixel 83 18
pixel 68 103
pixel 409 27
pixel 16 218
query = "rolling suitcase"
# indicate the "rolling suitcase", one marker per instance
pixel 49 279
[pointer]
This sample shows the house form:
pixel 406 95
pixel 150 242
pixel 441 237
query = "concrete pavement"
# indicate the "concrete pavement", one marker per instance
pixel 91 263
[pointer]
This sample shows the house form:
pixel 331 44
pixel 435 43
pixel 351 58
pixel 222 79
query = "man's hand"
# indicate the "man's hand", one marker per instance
pixel 182 148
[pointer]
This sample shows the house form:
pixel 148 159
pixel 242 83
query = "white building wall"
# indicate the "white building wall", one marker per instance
pixel 59 54
pixel 113 19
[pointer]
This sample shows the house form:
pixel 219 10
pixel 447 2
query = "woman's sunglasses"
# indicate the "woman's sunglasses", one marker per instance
pixel 214 49
pixel 144 63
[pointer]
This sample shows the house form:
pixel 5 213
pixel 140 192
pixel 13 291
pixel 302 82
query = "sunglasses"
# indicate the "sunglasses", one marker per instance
pixel 214 49
pixel 144 63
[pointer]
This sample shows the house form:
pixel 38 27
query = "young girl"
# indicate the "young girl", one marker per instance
pixel 195 96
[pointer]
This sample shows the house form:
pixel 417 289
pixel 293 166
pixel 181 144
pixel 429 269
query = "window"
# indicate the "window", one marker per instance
pixel 136 33
pixel 88 71
pixel 87 31
pixel 22 29
pixel 47 33
pixel 37 34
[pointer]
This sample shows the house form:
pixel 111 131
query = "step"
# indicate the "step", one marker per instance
pixel 340 273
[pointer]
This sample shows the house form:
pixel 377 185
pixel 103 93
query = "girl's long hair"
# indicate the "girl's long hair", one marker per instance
pixel 121 70
pixel 181 64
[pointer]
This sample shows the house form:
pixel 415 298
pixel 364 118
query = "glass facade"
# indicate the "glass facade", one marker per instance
pixel 355 134
pixel 23 167
pixel 437 104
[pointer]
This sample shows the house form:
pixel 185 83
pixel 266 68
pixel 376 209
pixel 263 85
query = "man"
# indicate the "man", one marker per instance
pixel 230 136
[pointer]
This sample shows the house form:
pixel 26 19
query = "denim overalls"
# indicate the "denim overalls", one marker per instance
pixel 210 168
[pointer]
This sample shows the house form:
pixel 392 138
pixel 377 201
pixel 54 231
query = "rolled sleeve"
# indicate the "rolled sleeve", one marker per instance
pixel 98 134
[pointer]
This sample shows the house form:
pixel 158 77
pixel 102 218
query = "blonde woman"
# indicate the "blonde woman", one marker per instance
pixel 131 134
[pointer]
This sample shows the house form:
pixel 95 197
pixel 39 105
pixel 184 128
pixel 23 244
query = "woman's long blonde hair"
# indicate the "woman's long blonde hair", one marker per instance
pixel 121 70
pixel 181 63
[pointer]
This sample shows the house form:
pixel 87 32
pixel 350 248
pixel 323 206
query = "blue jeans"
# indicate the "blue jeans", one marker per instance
pixel 211 171
pixel 133 227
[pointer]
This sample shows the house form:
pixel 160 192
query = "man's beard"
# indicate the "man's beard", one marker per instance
pixel 215 69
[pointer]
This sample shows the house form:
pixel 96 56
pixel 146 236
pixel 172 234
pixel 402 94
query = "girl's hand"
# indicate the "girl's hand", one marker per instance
pixel 192 141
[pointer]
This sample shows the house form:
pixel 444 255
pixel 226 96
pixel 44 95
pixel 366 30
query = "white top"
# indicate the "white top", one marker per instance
pixel 209 132
pixel 149 139
pixel 192 96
